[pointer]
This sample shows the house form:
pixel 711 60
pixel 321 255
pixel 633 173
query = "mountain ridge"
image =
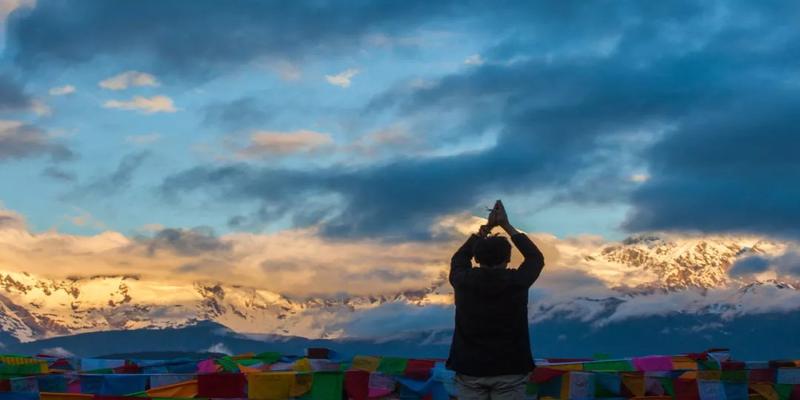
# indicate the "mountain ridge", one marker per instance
pixel 691 272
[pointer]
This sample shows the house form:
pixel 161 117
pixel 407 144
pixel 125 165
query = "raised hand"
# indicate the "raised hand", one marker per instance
pixel 498 216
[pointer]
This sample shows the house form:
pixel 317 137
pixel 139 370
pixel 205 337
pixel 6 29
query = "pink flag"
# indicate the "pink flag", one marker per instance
pixel 653 363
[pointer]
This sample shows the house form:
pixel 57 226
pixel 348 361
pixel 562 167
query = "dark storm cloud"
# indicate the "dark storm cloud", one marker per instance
pixel 736 171
pixel 21 140
pixel 196 40
pixel 400 199
pixel 703 96
pixel 787 264
pixel 186 242
pixel 749 265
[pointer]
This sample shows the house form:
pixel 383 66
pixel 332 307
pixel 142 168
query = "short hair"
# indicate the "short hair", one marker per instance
pixel 492 250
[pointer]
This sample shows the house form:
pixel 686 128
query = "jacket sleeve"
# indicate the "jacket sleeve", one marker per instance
pixel 531 267
pixel 461 263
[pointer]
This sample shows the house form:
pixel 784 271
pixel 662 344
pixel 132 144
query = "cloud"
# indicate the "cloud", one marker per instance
pixel 474 59
pixel 41 108
pixel 290 262
pixel 58 174
pixel 242 113
pixel 394 320
pixel 389 141
pixel 286 70
pixel 300 263
pixel 185 242
pixel 272 143
pixel 145 105
pixel 530 104
pixel 142 34
pixel 342 79
pixel 84 218
pixel 640 178
pixel 718 149
pixel 219 348
pixel 732 170
pixel 684 91
pixel 128 79
pixel 12 96
pixel 20 140
pixel 749 265
pixel 6 8
pixel 58 352
pixel 11 220
pixel 783 265
pixel 117 180
pixel 61 90
pixel 144 139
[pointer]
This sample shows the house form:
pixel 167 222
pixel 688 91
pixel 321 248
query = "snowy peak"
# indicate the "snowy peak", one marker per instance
pixel 641 275
pixel 675 262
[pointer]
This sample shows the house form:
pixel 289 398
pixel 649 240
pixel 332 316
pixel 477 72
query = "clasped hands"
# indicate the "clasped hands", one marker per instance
pixel 497 217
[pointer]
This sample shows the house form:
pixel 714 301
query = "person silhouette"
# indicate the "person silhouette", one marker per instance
pixel 490 350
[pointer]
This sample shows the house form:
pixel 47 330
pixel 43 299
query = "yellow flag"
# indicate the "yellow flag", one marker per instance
pixel 64 396
pixel 301 385
pixel 683 362
pixel 634 382
pixel 366 363
pixel 181 389
pixel 765 390
pixel 270 385
pixel 302 365
pixel 567 367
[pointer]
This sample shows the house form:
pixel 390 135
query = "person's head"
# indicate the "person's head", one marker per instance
pixel 492 252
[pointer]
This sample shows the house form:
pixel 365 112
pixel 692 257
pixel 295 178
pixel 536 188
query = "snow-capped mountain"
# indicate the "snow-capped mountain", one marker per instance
pixel 642 276
pixel 676 262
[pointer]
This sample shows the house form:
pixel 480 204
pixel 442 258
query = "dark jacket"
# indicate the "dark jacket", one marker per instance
pixel 491 334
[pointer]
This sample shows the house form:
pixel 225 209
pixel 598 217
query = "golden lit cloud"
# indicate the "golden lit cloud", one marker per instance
pixel 282 143
pixel 146 105
pixel 128 79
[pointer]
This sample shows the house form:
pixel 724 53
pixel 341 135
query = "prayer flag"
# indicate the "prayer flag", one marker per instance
pixel 366 363
pixel 609 365
pixel 633 383
pixel 327 386
pixel 64 396
pixel 269 357
pixel 393 365
pixel 356 384
pixel 789 376
pixel 419 369
pixel 186 389
pixel 653 363
pixel 221 385
pixel 270 386
pixel 710 390
pixel 765 390
pixel 686 389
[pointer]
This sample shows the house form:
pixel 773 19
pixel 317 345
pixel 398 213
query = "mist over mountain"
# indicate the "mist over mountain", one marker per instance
pixel 646 294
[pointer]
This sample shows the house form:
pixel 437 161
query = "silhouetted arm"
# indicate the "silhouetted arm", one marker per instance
pixel 533 263
pixel 461 262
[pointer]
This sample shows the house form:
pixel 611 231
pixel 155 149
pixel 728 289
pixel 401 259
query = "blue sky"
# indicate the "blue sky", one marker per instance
pixel 376 119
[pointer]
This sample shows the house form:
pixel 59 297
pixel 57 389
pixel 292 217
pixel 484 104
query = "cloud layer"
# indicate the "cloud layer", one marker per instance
pixel 21 140
pixel 231 34
pixel 681 113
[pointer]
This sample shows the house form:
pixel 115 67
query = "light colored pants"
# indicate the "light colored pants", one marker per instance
pixel 500 387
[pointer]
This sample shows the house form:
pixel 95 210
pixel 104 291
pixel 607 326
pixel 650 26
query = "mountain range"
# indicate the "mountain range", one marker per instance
pixel 647 294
